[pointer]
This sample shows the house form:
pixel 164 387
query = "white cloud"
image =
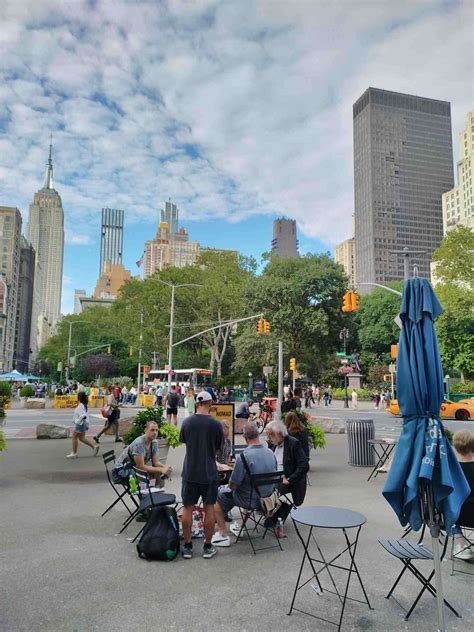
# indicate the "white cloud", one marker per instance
pixel 76 239
pixel 231 108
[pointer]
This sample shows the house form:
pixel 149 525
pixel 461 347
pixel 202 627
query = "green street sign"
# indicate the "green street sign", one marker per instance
pixel 340 354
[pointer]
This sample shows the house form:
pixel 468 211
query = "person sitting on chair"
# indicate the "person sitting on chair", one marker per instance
pixel 463 442
pixel 243 409
pixel 143 454
pixel 291 459
pixel 260 460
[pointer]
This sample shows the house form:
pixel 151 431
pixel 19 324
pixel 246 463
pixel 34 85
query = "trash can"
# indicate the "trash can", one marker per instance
pixel 359 431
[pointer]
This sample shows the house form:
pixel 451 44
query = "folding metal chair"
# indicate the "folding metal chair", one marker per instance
pixel 468 534
pixel 109 457
pixel 148 499
pixel 407 552
pixel 251 515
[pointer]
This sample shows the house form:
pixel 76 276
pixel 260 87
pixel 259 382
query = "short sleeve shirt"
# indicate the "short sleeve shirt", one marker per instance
pixel 203 436
pixel 260 460
pixel 139 448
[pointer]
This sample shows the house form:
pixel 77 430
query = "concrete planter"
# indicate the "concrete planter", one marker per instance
pixel 33 403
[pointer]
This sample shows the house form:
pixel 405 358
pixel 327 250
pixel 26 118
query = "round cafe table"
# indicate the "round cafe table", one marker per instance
pixel 349 523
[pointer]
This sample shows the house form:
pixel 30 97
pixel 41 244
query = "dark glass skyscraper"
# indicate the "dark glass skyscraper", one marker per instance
pixel 403 163
pixel 111 241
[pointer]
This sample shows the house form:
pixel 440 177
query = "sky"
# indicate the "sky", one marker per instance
pixel 240 111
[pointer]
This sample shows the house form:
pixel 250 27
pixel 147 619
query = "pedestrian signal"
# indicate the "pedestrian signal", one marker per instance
pixel 266 327
pixel 260 326
pixel 393 351
pixel 347 302
pixel 292 364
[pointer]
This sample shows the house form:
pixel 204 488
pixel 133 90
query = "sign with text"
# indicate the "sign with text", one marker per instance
pixel 225 412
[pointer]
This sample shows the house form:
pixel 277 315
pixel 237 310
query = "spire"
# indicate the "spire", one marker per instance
pixel 48 181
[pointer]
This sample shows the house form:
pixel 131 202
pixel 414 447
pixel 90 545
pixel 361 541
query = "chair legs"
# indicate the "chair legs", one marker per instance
pixel 247 516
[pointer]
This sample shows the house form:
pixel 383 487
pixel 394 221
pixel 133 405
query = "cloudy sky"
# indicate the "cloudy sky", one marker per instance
pixel 239 110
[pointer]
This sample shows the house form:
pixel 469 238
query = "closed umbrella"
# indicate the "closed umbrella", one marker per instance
pixel 425 482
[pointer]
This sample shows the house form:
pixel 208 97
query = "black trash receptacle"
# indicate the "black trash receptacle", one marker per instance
pixel 359 431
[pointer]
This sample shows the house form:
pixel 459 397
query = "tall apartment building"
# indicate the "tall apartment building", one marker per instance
pixel 284 242
pixel 402 165
pixel 10 234
pixel 169 250
pixel 344 254
pixel 111 239
pixel 46 234
pixel 25 306
pixel 458 203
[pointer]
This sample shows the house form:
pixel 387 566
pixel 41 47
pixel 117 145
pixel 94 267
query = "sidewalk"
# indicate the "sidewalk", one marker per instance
pixel 63 568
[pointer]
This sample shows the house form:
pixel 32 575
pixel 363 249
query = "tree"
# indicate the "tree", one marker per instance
pixel 455 259
pixel 102 364
pixel 377 329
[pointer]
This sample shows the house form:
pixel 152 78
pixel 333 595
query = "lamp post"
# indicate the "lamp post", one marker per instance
pixel 71 323
pixel 250 385
pixel 170 344
pixel 344 335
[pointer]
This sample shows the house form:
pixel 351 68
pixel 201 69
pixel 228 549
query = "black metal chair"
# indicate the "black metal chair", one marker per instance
pixel 257 517
pixel 407 552
pixel 148 499
pixel 109 457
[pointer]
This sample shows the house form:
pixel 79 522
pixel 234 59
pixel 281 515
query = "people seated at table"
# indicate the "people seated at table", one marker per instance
pixel 239 493
pixel 463 442
pixel 291 459
pixel 297 429
pixel 143 454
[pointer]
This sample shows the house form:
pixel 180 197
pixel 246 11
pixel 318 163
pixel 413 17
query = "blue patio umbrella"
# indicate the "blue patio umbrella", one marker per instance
pixel 425 482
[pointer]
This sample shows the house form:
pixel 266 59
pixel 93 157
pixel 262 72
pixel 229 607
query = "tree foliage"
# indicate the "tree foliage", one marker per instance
pixel 377 329
pixel 455 258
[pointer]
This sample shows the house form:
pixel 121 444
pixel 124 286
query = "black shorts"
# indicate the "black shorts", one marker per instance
pixel 172 411
pixel 192 492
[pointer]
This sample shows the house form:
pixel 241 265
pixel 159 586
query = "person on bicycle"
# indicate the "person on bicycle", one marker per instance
pixel 243 410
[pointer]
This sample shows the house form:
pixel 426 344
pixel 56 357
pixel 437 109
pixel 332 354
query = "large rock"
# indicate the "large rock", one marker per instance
pixel 35 402
pixel 330 425
pixel 52 431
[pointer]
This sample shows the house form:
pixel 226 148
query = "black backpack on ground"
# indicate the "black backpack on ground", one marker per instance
pixel 160 537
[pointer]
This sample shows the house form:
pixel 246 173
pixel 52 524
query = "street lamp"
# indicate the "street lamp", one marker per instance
pixel 344 335
pixel 250 385
pixel 170 346
pixel 71 323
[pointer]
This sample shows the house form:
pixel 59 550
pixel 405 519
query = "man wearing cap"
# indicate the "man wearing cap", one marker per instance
pixel 203 436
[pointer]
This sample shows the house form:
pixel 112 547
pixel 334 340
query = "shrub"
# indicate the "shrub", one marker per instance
pixel 362 393
pixel 316 434
pixel 459 387
pixel 6 390
pixel 27 391
pixel 3 443
pixel 168 432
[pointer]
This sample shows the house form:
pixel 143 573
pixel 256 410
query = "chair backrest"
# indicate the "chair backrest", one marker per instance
pixel 109 457
pixel 265 479
pixel 143 480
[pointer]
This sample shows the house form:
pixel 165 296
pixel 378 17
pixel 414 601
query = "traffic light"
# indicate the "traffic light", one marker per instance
pixel 393 351
pixel 347 302
pixel 387 377
pixel 266 327
pixel 292 364
pixel 109 349
pixel 355 302
pixel 260 326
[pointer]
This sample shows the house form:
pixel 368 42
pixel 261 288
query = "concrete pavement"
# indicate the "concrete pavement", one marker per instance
pixel 62 568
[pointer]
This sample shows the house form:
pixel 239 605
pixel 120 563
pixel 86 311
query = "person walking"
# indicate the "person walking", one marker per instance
pixel 190 401
pixel 113 415
pixel 172 401
pixel 203 437
pixel 355 401
pixel 81 426
pixel 159 395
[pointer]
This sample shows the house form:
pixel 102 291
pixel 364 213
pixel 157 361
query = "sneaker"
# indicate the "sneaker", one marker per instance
pixel 236 527
pixel 187 551
pixel 73 455
pixel 228 517
pixel 96 439
pixel 96 449
pixel 220 540
pixel 208 551
pixel 462 552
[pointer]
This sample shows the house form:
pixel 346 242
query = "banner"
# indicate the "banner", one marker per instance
pixel 225 412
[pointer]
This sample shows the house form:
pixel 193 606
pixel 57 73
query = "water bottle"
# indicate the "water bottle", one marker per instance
pixel 132 483
pixel 279 532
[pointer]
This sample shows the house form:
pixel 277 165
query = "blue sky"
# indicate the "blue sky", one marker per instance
pixel 239 110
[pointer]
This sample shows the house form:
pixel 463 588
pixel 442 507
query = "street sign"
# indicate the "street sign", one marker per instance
pixel 340 354
pixel 267 370
pixel 344 361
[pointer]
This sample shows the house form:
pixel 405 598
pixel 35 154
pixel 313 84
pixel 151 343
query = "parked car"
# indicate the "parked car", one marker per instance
pixel 459 410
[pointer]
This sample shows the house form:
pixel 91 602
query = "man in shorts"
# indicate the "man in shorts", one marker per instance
pixel 203 436
pixel 172 401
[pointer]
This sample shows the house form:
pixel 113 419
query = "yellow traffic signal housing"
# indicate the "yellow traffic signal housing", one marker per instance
pixel 130 352
pixel 355 302
pixel 393 351
pixel 347 302
pixel 109 349
pixel 387 377
pixel 266 327
pixel 292 364
pixel 260 326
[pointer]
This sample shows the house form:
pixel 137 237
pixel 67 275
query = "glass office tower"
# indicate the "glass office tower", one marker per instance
pixel 111 242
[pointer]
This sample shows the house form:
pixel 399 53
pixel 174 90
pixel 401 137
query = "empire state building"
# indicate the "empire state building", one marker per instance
pixel 46 234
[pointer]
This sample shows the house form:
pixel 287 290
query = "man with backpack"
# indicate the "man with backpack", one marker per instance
pixel 172 401
pixel 203 436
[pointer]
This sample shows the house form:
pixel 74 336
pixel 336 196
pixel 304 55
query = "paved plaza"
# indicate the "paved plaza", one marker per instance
pixel 64 569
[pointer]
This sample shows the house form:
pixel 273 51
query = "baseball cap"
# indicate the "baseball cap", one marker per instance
pixel 203 396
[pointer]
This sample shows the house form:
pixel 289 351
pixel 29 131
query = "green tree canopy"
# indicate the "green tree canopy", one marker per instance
pixel 455 258
pixel 377 329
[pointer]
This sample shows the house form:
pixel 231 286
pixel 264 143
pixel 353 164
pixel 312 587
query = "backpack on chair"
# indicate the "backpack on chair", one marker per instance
pixel 160 537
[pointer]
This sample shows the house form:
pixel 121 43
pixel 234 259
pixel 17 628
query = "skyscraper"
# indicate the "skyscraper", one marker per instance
pixel 284 242
pixel 344 254
pixel 46 235
pixel 111 240
pixel 25 306
pixel 170 216
pixel 403 164
pixel 169 250
pixel 458 203
pixel 10 233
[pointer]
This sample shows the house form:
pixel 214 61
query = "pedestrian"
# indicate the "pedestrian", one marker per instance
pixel 133 395
pixel 203 437
pixel 376 399
pixel 172 401
pixel 326 397
pixel 190 401
pixel 81 426
pixel 159 395
pixel 329 395
pixel 355 402
pixel 112 411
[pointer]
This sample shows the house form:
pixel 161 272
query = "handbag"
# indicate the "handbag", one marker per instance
pixel 106 411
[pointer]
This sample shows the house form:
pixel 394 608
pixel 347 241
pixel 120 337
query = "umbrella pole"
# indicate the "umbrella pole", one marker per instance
pixel 433 521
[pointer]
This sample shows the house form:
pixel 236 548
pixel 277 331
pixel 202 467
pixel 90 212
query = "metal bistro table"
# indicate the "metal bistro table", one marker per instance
pixel 385 449
pixel 328 518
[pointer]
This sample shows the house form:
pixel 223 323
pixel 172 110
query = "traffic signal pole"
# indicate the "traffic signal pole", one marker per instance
pixel 280 377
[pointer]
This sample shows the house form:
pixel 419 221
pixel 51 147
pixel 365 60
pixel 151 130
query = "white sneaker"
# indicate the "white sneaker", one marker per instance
pixel 73 455
pixel 96 449
pixel 463 552
pixel 220 540
pixel 236 528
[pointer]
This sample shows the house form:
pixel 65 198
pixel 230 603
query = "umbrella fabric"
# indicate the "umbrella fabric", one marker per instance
pixel 423 451
pixel 13 375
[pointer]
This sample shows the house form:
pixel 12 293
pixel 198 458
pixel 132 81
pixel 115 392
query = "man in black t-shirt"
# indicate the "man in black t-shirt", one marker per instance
pixel 172 401
pixel 203 436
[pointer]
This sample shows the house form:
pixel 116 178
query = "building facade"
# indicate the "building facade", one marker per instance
pixel 169 250
pixel 458 203
pixel 402 165
pixel 111 280
pixel 10 234
pixel 170 215
pixel 46 235
pixel 344 254
pixel 284 242
pixel 24 306
pixel 78 294
pixel 111 237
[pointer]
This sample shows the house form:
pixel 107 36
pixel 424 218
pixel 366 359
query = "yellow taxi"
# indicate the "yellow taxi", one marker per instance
pixel 459 410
